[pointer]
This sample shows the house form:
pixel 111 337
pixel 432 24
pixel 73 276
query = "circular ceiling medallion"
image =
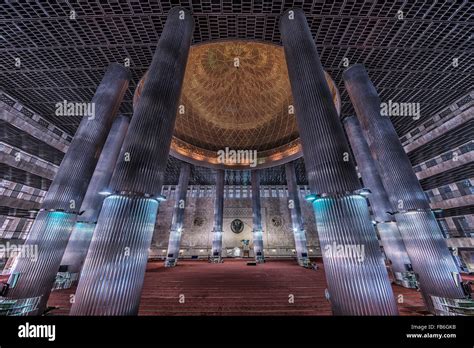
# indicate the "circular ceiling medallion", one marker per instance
pixel 236 108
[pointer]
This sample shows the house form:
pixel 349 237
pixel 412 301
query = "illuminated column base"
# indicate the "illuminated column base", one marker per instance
pixel 216 253
pixel 394 249
pixel 301 248
pixel 77 250
pixel 173 248
pixel 412 225
pixel 258 246
pixel 112 276
pixel 47 240
pixel 357 279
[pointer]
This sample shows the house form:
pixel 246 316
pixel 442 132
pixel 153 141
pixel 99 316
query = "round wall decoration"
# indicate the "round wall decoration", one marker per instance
pixel 198 221
pixel 276 221
pixel 237 226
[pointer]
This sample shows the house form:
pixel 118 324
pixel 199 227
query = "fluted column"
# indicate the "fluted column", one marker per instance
pixel 424 242
pixel 112 276
pixel 257 217
pixel 296 218
pixel 52 227
pixel 381 208
pixel 218 217
pixel 81 235
pixel 178 216
pixel 357 279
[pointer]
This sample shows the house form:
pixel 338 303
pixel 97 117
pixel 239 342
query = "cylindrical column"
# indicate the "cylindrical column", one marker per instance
pixel 218 216
pixel 424 242
pixel 178 216
pixel 51 230
pixel 381 208
pixel 257 217
pixel 357 279
pixel 81 235
pixel 296 217
pixel 113 273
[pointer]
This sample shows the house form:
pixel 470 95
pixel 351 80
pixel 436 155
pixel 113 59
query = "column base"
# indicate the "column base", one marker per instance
pixel 113 273
pixel 216 259
pixel 171 262
pixel 355 271
pixel 437 273
pixel 65 280
pixel 304 262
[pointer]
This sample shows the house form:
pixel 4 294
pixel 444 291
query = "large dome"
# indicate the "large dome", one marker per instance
pixel 236 95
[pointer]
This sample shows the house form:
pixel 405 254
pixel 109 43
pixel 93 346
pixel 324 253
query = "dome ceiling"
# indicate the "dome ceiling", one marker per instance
pixel 236 95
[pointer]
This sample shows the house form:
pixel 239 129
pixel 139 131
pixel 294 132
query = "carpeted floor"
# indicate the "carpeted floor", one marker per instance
pixel 278 287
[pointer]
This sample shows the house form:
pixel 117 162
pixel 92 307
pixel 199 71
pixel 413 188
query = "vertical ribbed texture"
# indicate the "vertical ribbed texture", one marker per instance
pixel 149 137
pixel 393 246
pixel 218 214
pixel 381 208
pixel 81 235
pixel 112 276
pixel 429 254
pixel 111 282
pixel 78 164
pixel 257 216
pixel 322 136
pixel 77 247
pixel 355 270
pixel 69 184
pixel 394 167
pixel 178 215
pixel 103 171
pixel 296 217
pixel 49 235
pixel 420 232
pixel 365 289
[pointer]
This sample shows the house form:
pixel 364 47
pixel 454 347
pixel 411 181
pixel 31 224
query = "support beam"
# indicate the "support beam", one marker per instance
pixel 216 255
pixel 257 217
pixel 81 235
pixel 33 278
pixel 178 216
pixel 296 217
pixel 381 208
pixel 358 282
pixel 128 216
pixel 423 239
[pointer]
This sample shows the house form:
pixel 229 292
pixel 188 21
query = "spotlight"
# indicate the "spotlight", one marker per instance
pixel 363 192
pixel 160 198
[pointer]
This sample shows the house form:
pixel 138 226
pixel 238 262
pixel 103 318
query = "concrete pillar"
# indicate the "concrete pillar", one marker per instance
pixel 178 216
pixel 81 235
pixel 296 217
pixel 217 231
pixel 113 272
pixel 424 242
pixel 357 279
pixel 257 217
pixel 382 211
pixel 33 278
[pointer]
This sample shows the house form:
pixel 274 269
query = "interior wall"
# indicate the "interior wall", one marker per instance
pixel 198 224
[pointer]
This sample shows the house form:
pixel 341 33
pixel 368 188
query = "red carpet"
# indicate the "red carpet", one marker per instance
pixel 233 288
